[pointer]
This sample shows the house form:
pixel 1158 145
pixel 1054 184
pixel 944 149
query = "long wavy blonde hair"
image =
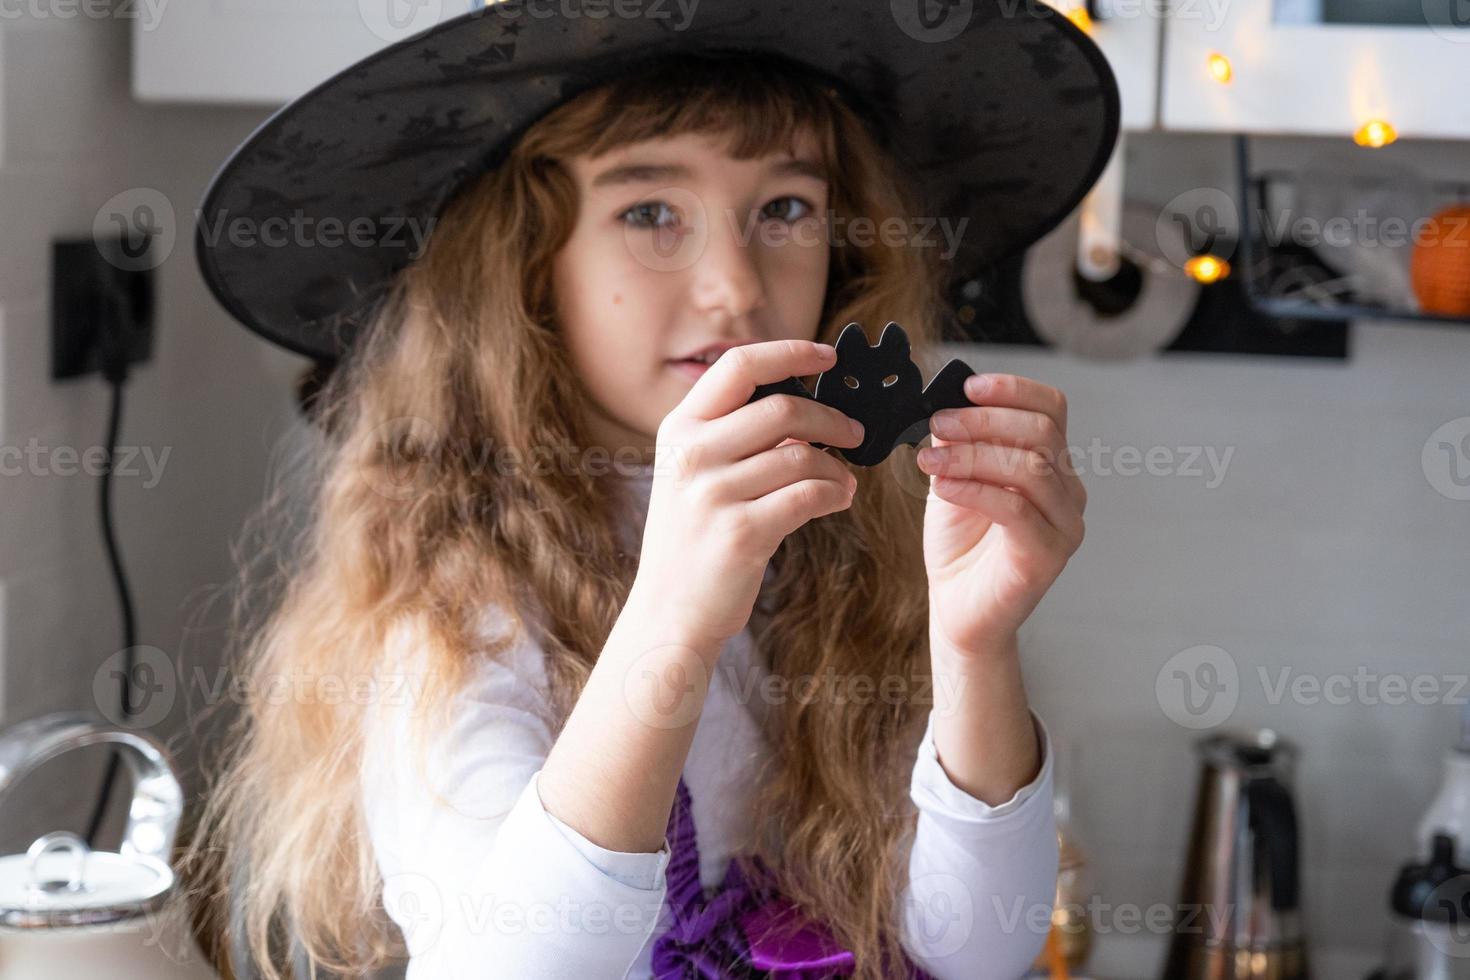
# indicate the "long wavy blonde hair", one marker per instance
pixel 465 345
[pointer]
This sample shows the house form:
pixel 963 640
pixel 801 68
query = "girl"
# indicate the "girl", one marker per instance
pixel 630 679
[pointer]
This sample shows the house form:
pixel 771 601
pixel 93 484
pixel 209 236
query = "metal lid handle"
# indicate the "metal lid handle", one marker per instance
pixel 55 841
pixel 158 800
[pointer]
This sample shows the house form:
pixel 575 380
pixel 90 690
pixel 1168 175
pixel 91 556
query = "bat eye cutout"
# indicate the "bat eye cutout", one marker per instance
pixel 894 407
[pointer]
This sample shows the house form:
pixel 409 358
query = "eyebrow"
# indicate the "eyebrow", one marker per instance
pixel 634 173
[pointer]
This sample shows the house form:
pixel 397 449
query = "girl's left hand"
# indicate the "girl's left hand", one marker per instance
pixel 1004 510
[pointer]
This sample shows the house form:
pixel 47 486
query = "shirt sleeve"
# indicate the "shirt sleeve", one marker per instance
pixel 982 878
pixel 486 881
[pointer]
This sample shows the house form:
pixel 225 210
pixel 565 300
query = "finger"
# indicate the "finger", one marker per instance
pixel 764 424
pixel 1010 427
pixel 733 378
pixel 791 506
pixel 1026 470
pixel 786 464
pixel 1014 391
pixel 1007 508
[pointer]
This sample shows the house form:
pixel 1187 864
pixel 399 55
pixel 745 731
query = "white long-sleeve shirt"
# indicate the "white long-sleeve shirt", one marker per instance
pixel 488 884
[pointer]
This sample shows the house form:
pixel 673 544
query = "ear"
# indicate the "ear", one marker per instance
pixel 894 342
pixel 851 340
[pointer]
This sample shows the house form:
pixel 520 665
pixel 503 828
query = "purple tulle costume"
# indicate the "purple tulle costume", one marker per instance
pixel 740 931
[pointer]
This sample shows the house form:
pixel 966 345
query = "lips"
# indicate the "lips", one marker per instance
pixel 689 369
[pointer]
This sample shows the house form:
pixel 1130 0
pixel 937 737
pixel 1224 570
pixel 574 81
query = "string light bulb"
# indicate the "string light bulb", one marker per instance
pixel 1207 269
pixel 1220 68
pixel 1375 133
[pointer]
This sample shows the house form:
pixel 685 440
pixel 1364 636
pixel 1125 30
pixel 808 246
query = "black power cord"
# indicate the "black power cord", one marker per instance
pixel 115 316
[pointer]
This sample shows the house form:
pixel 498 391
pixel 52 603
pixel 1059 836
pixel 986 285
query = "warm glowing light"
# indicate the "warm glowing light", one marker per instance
pixel 1375 133
pixel 1206 269
pixel 1220 68
pixel 1080 17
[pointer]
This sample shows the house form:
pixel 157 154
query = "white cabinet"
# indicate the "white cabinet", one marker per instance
pixel 267 51
pixel 1318 67
pixel 1127 32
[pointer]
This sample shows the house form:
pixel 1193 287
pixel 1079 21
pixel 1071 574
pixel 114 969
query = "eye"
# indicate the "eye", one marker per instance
pixel 639 214
pixel 800 204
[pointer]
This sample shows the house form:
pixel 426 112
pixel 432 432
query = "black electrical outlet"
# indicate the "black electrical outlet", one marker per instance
pixel 101 306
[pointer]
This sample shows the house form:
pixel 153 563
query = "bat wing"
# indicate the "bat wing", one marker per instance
pixel 945 390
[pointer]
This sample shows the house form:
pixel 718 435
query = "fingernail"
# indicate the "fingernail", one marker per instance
pixel 857 427
pixel 948 427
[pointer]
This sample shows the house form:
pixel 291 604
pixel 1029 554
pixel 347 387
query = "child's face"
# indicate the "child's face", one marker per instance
pixel 693 248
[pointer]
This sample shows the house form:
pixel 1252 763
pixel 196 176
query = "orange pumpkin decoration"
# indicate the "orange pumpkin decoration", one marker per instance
pixel 1439 266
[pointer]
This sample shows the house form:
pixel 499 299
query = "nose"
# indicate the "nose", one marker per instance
pixel 727 275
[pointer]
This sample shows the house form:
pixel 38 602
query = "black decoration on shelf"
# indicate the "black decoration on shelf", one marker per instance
pixel 880 386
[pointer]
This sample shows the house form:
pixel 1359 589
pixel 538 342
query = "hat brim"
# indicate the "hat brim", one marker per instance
pixel 1005 126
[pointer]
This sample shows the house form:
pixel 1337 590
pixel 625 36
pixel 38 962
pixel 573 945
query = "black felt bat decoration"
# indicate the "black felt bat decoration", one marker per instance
pixel 880 387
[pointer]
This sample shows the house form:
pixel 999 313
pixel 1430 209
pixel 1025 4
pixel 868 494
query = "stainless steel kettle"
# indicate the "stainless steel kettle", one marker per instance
pixel 1238 916
pixel 68 911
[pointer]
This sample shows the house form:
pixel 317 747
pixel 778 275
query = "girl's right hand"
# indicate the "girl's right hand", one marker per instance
pixel 731 480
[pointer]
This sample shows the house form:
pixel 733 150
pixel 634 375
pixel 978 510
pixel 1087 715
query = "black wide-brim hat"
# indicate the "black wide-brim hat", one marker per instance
pixel 1002 111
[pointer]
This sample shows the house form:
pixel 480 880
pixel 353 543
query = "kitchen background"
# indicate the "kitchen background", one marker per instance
pixel 1303 513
